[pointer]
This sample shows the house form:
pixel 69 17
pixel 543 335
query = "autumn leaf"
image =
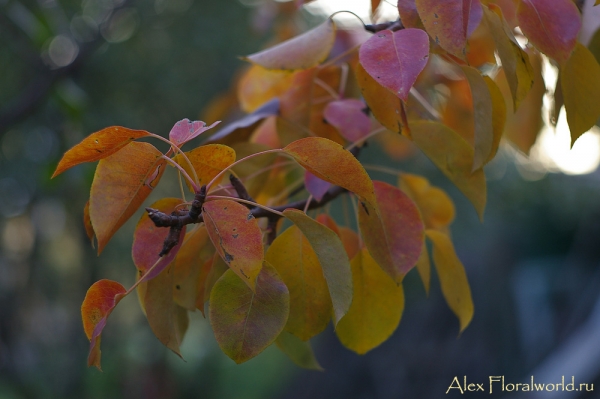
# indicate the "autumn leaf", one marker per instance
pixel 315 186
pixel 208 161
pixel 186 130
pixel 453 278
pixel 300 352
pixel 552 28
pixel 298 265
pixel 392 231
pixel 236 236
pixel 87 223
pixel 301 52
pixel 580 82
pixel 349 118
pixel 121 183
pixel 100 299
pixel 435 206
pixel 253 166
pixel 454 157
pixel 329 161
pixel 515 61
pixel 498 116
pixel 98 145
pixel 350 241
pixel 259 85
pixel 246 322
pixel 217 269
pixel 332 257
pixel 424 269
pixel 376 308
pixel 224 135
pixel 395 59
pixel 386 107
pixel 409 14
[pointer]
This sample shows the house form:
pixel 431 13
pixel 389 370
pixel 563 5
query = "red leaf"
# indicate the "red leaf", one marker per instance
pixel 100 300
pixel 315 186
pixel 349 118
pixel 395 59
pixel 98 145
pixel 551 26
pixel 185 130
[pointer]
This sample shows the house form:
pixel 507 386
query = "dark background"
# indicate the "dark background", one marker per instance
pixel 71 68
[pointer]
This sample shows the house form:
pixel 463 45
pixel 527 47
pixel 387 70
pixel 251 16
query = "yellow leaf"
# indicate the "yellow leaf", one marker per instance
pixel 424 269
pixel 436 207
pixel 453 278
pixel 298 265
pixel 454 157
pixel 580 82
pixel 376 307
pixel 259 85
pixel 208 160
pixel 498 116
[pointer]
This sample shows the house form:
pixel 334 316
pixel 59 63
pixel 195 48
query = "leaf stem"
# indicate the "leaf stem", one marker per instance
pixel 185 157
pixel 183 172
pixel 368 136
pixel 266 208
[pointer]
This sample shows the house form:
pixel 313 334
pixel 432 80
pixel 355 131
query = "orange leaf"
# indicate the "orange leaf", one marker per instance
pixel 551 27
pixel 244 321
pixel 87 222
pixel 301 52
pixel 392 231
pixel 100 300
pixel 350 240
pixel 376 308
pixel 332 257
pixel 298 265
pixel 454 157
pixel 331 162
pixel 208 161
pixel 453 278
pixel 236 236
pixel 98 145
pixel 121 183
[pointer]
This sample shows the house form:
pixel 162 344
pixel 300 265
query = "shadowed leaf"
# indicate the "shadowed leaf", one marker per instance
pixel 236 236
pixel 392 231
pixel 315 186
pixel 121 183
pixel 100 300
pixel 298 351
pixel 453 278
pixel 87 222
pixel 246 322
pixel 498 116
pixel 98 145
pixel 349 118
pixel 424 269
pixel 376 308
pixel 436 207
pixel 332 257
pixel 301 52
pixel 298 265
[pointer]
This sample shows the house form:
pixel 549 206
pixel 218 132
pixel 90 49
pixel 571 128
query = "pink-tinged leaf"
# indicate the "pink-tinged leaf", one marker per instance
pixel 551 27
pixel 452 276
pixel 315 186
pixel 301 52
pixel 100 300
pixel 395 59
pixel 482 115
pixel 98 145
pixel 185 130
pixel 392 231
pixel 331 162
pixel 245 322
pixel 148 240
pixel 349 118
pixel 236 236
pixel 409 15
pixel 454 157
pixel 298 351
pixel 447 23
pixel 121 183
pixel 332 257
pixel 475 16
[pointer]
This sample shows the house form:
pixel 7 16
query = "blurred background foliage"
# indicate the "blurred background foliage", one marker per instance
pixel 69 68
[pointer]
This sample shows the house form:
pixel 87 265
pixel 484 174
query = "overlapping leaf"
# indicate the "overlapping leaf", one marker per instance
pixel 315 186
pixel 332 257
pixel 329 161
pixel 98 145
pixel 436 207
pixel 259 85
pixel 395 59
pixel 300 352
pixel 298 265
pixel 392 230
pixel 552 28
pixel 121 183
pixel 186 130
pixel 453 278
pixel 409 14
pixel 376 308
pixel 87 222
pixel 580 82
pixel 246 322
pixel 208 161
pixel 301 52
pixel 349 118
pixel 498 116
pixel 424 269
pixel 236 236
pixel 454 157
pixel 100 300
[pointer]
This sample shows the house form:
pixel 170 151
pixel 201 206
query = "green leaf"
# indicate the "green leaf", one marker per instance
pixel 246 322
pixel 332 256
